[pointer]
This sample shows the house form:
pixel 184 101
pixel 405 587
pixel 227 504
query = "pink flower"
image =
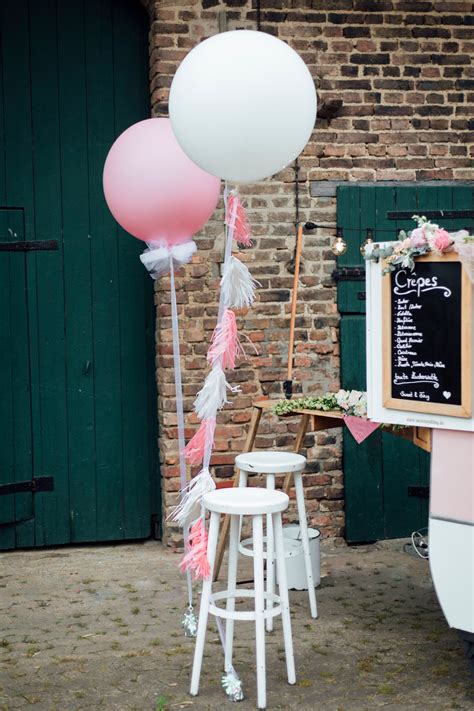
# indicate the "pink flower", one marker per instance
pixel 418 237
pixel 441 240
pixel 401 246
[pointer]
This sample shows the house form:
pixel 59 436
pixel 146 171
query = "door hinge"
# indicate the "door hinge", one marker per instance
pixel 33 486
pixel 349 274
pixel 31 246
pixel 432 214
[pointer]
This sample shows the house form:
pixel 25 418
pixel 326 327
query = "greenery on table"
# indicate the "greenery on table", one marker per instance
pixel 325 402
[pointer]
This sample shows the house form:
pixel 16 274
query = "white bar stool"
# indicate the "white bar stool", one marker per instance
pixel 269 464
pixel 257 503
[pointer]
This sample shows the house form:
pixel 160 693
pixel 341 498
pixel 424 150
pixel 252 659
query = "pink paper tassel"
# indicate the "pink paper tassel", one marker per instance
pixel 195 559
pixel 225 342
pixel 238 220
pixel 194 450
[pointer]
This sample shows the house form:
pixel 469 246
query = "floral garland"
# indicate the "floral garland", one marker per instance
pixel 426 238
pixel 351 402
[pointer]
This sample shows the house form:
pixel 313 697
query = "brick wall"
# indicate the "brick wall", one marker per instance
pixel 405 73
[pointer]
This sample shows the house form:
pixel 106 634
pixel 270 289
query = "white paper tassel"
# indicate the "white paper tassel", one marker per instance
pixel 237 284
pixel 189 507
pixel 213 395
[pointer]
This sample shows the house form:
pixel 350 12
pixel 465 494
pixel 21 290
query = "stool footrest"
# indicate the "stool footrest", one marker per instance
pixel 245 549
pixel 248 615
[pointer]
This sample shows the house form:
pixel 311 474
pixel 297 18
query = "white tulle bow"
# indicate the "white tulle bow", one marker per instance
pixel 156 258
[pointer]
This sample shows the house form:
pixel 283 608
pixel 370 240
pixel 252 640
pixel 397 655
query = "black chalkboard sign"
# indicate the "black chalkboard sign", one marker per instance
pixel 426 358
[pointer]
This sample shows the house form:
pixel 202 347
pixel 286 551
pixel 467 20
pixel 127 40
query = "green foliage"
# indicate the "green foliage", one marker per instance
pixel 325 402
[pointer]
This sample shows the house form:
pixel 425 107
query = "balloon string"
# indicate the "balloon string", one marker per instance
pixel 229 233
pixel 178 386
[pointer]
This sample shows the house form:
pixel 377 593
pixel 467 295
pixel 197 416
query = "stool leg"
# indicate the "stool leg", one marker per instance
pixel 257 526
pixel 243 478
pixel 231 588
pixel 285 603
pixel 270 556
pixel 305 542
pixel 204 607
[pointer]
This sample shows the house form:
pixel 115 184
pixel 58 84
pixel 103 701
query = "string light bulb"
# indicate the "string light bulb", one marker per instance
pixel 368 241
pixel 365 244
pixel 339 246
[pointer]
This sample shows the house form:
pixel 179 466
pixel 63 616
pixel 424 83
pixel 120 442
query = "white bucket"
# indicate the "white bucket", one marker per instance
pixel 294 558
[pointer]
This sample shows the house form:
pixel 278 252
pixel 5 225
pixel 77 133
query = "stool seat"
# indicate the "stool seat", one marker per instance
pixel 270 462
pixel 246 501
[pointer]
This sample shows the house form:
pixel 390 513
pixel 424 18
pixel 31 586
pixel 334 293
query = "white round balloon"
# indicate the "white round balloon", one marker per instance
pixel 242 105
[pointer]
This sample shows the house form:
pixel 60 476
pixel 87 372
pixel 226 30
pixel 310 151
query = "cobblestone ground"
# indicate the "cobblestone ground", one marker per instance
pixel 99 628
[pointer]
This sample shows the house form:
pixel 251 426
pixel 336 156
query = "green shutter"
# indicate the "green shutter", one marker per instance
pixel 379 471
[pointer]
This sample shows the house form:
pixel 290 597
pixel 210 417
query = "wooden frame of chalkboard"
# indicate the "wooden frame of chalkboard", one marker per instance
pixel 440 290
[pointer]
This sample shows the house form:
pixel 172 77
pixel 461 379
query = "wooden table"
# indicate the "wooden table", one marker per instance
pixel 310 421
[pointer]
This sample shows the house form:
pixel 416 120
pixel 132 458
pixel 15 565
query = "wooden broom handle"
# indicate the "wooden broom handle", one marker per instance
pixel 294 299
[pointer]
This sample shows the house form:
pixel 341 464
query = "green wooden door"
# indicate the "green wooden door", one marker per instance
pixel 77 394
pixel 379 471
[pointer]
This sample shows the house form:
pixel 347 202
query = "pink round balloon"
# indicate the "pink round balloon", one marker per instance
pixel 153 189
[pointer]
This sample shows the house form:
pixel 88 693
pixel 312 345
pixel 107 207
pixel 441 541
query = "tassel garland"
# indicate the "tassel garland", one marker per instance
pixel 191 497
pixel 194 450
pixel 237 284
pixel 195 558
pixel 237 220
pixel 225 342
pixel 213 395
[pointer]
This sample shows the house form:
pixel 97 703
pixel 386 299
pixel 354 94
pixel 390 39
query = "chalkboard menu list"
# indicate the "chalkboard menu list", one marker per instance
pixel 426 333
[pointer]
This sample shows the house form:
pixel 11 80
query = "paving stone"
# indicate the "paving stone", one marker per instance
pixel 99 627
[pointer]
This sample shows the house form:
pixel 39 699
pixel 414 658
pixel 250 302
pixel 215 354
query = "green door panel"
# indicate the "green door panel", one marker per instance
pixel 52 521
pixel 362 462
pixel 104 284
pixel 77 391
pixel 349 216
pixel 402 467
pixel 131 84
pixel 18 354
pixel 379 471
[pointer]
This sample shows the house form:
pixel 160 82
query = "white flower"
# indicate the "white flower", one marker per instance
pixel 353 402
pixel 360 410
pixel 341 398
pixel 354 398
